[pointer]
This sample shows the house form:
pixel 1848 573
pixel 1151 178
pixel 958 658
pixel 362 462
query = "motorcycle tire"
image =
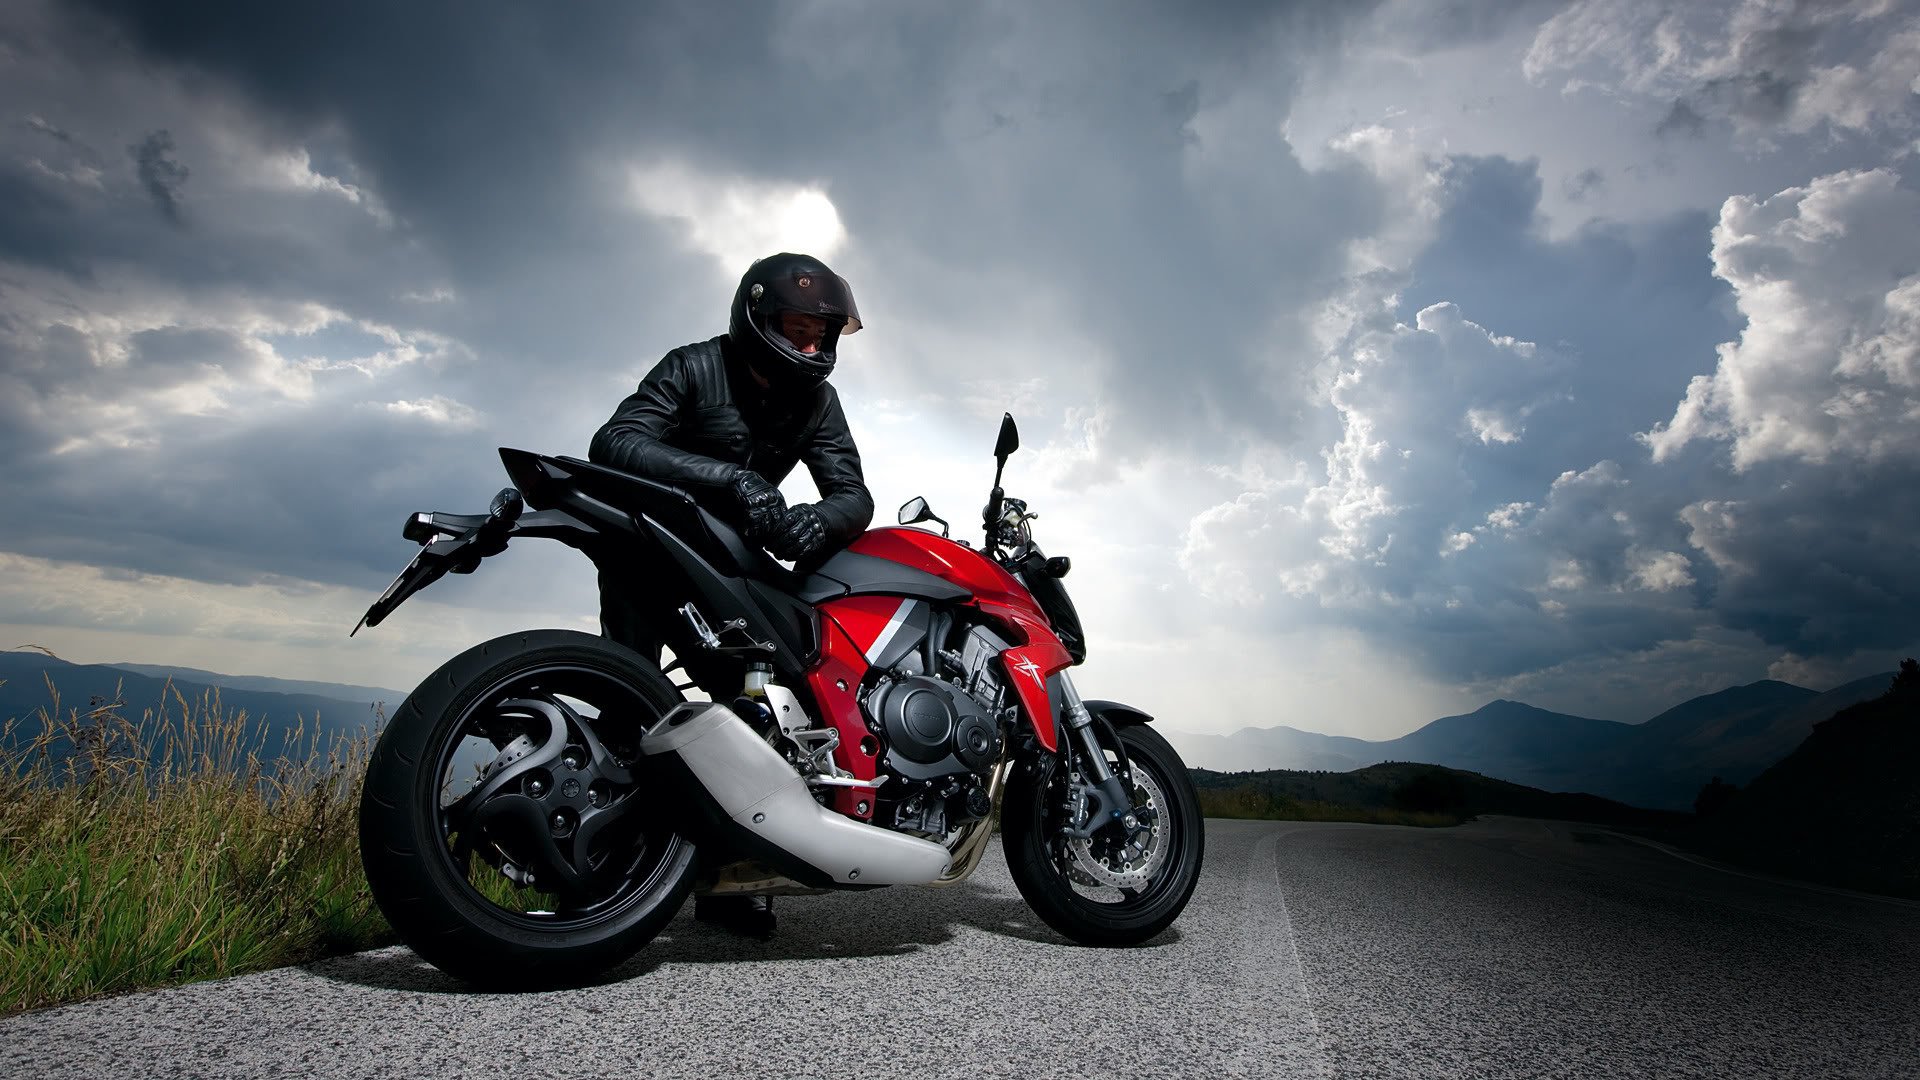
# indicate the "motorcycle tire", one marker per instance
pixel 423 887
pixel 1033 814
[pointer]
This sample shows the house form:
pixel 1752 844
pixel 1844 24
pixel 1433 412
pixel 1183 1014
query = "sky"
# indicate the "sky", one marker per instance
pixel 1372 360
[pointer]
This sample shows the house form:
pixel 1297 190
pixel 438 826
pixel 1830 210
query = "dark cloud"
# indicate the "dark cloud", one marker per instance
pixel 1488 559
pixel 1583 184
pixel 37 124
pixel 435 200
pixel 1682 119
pixel 32 226
pixel 162 176
pixel 1758 97
pixel 1635 307
pixel 1422 26
pixel 1009 153
pixel 1059 150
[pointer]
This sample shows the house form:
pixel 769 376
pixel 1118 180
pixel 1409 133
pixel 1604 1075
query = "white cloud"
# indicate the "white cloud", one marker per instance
pixel 1712 525
pixel 1762 64
pixel 1658 571
pixel 439 410
pixel 1414 405
pixel 1828 276
pixel 1507 517
pixel 737 219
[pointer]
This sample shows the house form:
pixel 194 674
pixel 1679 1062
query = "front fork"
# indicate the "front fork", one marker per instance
pixel 1109 801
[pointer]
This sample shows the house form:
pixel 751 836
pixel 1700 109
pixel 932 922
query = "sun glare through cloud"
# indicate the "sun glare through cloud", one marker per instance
pixel 736 219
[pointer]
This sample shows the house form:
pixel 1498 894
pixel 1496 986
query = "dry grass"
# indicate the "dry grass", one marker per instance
pixel 172 849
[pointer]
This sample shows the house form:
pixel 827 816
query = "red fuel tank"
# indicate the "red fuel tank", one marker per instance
pixel 965 567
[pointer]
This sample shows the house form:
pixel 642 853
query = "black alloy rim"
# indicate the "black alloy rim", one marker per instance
pixel 559 798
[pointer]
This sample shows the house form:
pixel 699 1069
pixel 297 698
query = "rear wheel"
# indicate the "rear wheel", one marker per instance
pixel 1119 886
pixel 506 832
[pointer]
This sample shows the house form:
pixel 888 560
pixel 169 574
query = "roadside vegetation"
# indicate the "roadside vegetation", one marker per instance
pixel 1254 800
pixel 1404 793
pixel 172 848
pixel 1843 809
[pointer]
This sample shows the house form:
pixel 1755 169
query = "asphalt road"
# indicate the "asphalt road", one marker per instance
pixel 1502 948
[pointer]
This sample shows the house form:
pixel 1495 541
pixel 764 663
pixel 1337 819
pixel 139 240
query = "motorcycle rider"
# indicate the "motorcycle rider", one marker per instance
pixel 726 420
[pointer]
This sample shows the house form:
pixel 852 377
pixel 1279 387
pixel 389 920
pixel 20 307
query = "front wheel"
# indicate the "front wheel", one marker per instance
pixel 1115 887
pixel 507 828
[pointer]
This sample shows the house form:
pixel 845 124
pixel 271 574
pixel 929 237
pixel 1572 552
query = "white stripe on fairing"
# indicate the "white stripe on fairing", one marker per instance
pixel 893 626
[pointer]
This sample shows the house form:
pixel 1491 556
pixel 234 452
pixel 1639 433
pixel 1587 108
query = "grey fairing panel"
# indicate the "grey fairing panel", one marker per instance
pixel 866 575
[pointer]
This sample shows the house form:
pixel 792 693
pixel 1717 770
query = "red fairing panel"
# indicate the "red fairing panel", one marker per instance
pixel 1028 669
pixel 961 565
pixel 835 682
pixel 1037 653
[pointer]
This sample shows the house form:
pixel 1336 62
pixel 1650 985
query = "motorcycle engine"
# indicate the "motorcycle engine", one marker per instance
pixel 932 729
pixel 942 737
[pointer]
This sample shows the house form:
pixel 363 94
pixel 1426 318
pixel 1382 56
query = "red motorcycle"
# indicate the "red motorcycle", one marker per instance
pixel 543 803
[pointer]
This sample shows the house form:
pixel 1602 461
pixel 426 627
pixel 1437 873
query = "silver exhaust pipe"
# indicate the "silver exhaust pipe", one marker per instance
pixel 764 804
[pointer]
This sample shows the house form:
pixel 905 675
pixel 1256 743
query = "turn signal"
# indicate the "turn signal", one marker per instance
pixel 1059 565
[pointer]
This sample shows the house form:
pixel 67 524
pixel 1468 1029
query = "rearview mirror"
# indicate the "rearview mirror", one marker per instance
pixel 1009 440
pixel 916 510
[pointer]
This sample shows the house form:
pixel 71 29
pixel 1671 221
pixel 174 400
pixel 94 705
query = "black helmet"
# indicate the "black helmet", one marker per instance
pixel 798 283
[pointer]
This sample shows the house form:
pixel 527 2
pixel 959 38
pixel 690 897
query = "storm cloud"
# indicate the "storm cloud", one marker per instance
pixel 1506 382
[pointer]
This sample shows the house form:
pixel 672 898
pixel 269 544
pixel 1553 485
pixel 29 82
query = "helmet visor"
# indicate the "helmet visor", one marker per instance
pixel 817 292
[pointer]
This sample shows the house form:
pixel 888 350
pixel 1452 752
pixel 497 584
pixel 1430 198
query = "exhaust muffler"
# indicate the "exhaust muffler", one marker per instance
pixel 753 799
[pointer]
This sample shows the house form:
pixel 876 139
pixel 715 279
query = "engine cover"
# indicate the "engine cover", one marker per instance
pixel 932 729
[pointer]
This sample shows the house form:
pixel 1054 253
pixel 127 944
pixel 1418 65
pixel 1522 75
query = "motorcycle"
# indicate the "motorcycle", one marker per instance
pixel 543 804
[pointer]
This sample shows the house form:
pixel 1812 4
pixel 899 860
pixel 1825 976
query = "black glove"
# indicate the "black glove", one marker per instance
pixel 763 505
pixel 802 533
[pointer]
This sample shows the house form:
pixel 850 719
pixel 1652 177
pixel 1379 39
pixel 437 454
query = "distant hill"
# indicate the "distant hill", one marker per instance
pixel 1432 788
pixel 25 694
pixel 1843 808
pixel 338 691
pixel 1709 718
pixel 1734 734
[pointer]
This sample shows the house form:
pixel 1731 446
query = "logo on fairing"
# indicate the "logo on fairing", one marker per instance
pixel 1032 670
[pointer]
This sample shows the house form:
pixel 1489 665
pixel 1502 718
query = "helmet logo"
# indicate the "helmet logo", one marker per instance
pixel 804 282
pixel 757 291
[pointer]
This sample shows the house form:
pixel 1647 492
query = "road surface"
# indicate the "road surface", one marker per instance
pixel 1505 947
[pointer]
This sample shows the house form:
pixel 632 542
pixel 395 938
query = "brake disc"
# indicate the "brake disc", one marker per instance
pixel 1133 864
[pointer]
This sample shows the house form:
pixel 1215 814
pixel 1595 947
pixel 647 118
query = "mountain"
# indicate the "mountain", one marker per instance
pixel 1513 741
pixel 1275 748
pixel 1842 808
pixel 1708 718
pixel 24 694
pixel 340 691
pixel 1733 734
pixel 1507 739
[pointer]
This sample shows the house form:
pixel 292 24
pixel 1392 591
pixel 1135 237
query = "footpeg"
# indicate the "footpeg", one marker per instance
pixel 711 641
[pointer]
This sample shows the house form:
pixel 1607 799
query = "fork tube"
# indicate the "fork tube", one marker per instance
pixel 1080 724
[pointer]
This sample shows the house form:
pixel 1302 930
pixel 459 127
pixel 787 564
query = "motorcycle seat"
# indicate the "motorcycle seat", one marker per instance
pixel 714 539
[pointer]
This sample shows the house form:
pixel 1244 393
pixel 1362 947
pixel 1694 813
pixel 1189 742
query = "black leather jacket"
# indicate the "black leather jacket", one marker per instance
pixel 698 417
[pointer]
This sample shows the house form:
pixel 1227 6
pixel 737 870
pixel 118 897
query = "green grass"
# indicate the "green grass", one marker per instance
pixel 172 849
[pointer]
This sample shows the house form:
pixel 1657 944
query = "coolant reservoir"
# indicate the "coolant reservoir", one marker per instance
pixel 753 704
